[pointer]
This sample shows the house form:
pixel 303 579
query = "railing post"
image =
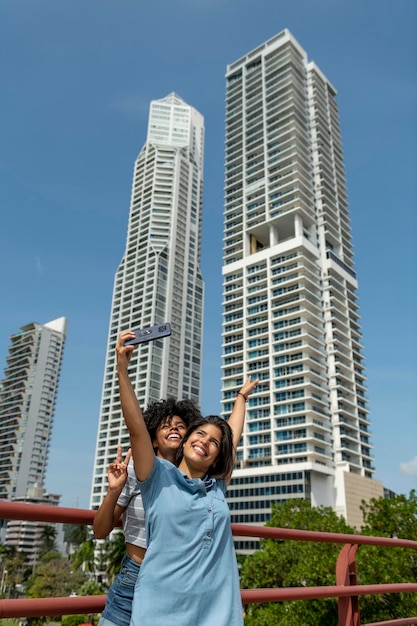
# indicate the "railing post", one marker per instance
pixel 348 608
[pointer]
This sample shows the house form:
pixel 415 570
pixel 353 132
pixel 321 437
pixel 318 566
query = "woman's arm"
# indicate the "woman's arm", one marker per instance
pixel 141 444
pixel 109 512
pixel 107 515
pixel 237 416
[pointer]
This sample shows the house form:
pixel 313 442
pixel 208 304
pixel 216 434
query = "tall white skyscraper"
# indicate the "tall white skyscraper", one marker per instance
pixel 28 396
pixel 159 278
pixel 290 310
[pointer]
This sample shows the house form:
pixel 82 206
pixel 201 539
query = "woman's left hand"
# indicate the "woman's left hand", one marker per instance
pixel 248 386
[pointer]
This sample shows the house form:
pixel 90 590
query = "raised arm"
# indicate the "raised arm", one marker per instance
pixel 142 449
pixel 237 416
pixel 109 512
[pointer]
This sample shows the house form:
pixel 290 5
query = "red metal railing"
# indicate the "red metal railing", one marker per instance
pixel 346 589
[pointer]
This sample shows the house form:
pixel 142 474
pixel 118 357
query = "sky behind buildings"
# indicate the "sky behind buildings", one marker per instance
pixel 77 81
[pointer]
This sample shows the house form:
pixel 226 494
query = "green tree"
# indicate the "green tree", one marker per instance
pixel 36 621
pixel 91 588
pixel 75 534
pixel 54 577
pixel 48 537
pixel 394 517
pixel 84 556
pixel 391 517
pixel 74 620
pixel 114 551
pixel 13 572
pixel 295 564
pixel 290 563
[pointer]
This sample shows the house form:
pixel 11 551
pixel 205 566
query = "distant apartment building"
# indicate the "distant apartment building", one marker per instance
pixel 28 536
pixel 28 397
pixel 159 278
pixel 290 306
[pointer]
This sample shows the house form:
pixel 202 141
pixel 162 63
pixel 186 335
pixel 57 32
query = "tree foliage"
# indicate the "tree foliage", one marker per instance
pixel 391 517
pixel 91 588
pixel 394 517
pixel 53 578
pixel 14 570
pixel 48 538
pixel 113 552
pixel 74 620
pixel 75 534
pixel 296 563
pixel 84 556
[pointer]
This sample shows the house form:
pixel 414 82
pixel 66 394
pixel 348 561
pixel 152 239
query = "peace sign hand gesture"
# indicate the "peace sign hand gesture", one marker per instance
pixel 117 471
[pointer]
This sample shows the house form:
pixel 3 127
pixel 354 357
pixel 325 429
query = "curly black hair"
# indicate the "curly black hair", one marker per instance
pixel 223 466
pixel 158 413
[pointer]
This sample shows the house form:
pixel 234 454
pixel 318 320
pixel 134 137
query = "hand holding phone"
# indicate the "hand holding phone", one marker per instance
pixel 149 334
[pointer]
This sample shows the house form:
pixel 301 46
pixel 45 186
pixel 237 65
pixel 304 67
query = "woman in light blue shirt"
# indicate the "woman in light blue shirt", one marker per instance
pixel 189 575
pixel 167 422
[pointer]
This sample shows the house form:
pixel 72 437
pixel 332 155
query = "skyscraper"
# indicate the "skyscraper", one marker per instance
pixel 27 403
pixel 159 278
pixel 290 309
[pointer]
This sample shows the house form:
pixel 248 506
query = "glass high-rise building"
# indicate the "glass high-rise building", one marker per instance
pixel 28 396
pixel 159 278
pixel 290 306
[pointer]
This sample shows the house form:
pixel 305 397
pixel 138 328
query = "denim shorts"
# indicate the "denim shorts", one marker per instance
pixel 118 607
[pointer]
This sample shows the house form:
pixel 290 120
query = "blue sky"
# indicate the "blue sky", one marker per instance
pixel 77 80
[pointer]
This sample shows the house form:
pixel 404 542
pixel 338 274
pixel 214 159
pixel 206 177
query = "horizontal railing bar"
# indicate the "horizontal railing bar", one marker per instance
pixel 250 596
pixel 245 530
pixel 404 621
pixel 37 607
pixel 44 513
pixel 34 607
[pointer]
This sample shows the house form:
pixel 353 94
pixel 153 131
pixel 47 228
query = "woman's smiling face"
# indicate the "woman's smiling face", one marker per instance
pixel 203 446
pixel 169 435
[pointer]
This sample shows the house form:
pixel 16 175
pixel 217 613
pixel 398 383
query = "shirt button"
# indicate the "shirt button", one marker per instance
pixel 209 534
pixel 209 510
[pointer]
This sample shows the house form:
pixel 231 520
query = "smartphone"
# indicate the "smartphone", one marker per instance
pixel 150 333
